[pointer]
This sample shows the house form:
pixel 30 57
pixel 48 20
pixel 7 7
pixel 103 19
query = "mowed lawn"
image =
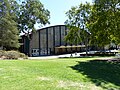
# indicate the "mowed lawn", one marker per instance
pixel 59 74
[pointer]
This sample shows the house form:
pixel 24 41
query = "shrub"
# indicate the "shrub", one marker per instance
pixel 12 55
pixel 22 55
pixel 2 53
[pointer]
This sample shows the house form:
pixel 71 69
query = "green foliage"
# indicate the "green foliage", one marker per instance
pixel 105 20
pixel 2 53
pixel 78 18
pixel 12 55
pixel 101 20
pixel 20 16
pixel 30 13
pixel 9 33
pixel 73 35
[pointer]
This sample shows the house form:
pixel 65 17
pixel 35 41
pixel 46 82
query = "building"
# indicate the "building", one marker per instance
pixel 48 41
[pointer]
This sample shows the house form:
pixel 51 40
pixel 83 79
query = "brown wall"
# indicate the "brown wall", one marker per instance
pixel 45 40
pixel 34 42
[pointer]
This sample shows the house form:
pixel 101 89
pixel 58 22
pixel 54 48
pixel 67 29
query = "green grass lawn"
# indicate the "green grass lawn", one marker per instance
pixel 59 74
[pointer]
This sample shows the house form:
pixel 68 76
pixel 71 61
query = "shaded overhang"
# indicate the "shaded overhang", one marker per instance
pixel 73 46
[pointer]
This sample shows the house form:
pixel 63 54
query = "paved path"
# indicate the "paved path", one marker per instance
pixel 62 56
pixel 56 56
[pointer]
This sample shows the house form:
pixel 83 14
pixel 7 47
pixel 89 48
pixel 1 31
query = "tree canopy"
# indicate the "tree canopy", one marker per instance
pixel 9 33
pixel 78 18
pixel 32 12
pixel 99 21
pixel 16 18
pixel 105 19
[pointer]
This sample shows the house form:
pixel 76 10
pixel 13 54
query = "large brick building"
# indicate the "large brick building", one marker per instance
pixel 48 41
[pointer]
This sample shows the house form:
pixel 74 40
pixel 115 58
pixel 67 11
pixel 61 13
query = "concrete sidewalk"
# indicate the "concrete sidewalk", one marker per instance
pixel 65 55
pixel 56 56
pixel 43 57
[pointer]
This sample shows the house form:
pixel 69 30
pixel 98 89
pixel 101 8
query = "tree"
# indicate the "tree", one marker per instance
pixel 78 18
pixel 105 19
pixel 32 12
pixel 9 33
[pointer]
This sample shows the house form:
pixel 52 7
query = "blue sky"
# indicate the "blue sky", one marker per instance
pixel 58 8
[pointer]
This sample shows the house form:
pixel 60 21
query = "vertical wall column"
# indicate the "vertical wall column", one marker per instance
pixel 47 40
pixel 65 35
pixel 27 46
pixel 60 34
pixel 54 40
pixel 39 43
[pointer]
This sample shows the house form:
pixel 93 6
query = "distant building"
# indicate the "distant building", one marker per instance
pixel 48 41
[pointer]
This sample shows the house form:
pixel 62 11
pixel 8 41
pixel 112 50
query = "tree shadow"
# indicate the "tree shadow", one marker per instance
pixel 104 73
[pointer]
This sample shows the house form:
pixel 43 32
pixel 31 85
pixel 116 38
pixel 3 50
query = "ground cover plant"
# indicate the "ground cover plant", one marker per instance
pixel 60 74
pixel 12 55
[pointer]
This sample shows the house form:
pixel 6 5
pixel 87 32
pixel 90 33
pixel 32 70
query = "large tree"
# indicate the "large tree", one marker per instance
pixel 20 16
pixel 9 33
pixel 78 18
pixel 105 22
pixel 32 12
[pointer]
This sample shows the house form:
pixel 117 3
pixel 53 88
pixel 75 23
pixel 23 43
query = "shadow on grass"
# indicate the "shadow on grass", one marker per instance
pixel 103 73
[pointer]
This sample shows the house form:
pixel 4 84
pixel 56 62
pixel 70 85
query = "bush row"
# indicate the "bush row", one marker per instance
pixel 12 55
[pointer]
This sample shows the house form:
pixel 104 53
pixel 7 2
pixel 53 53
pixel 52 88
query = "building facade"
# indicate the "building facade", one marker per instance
pixel 48 41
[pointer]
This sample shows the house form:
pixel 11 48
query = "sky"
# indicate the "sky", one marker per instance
pixel 58 8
